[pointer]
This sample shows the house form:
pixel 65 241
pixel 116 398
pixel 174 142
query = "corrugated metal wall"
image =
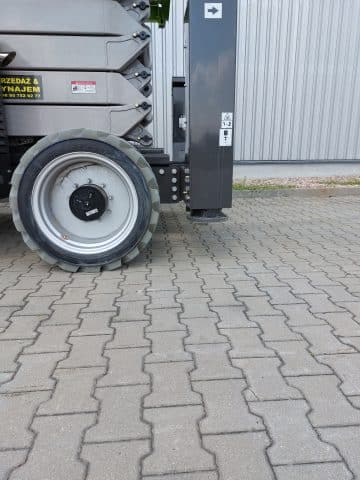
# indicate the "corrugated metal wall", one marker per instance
pixel 298 79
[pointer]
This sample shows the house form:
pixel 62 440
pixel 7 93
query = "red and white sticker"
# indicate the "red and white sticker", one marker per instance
pixel 83 86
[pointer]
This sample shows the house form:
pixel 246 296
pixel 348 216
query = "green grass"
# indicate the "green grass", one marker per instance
pixel 351 182
pixel 260 186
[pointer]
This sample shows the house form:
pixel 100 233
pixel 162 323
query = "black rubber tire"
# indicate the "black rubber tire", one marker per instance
pixel 118 151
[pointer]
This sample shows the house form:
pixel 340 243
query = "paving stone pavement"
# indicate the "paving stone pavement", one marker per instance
pixel 226 352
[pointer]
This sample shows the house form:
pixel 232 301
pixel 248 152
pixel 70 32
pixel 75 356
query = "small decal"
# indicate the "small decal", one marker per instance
pixel 213 10
pixel 227 120
pixel 21 87
pixel 225 137
pixel 83 86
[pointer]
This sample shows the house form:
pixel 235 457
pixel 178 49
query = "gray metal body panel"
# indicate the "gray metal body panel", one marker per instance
pixel 95 17
pixel 37 52
pixel 60 87
pixel 41 120
pixel 211 92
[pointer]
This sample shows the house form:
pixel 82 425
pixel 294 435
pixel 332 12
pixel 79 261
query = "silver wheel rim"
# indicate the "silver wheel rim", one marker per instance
pixel 50 203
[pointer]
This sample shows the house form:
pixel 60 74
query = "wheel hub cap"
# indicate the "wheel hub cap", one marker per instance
pixel 88 202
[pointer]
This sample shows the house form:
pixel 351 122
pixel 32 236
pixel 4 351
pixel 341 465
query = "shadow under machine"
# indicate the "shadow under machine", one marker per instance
pixel 76 155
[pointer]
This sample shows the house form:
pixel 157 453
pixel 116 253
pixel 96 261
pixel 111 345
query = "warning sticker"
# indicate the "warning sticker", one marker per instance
pixel 225 137
pixel 21 87
pixel 227 120
pixel 83 86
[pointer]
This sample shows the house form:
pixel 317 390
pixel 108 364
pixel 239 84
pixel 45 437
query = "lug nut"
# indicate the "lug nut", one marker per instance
pixel 162 171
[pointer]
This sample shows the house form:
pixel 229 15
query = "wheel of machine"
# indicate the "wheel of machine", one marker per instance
pixel 85 200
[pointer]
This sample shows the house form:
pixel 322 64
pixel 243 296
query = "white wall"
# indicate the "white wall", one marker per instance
pixel 298 79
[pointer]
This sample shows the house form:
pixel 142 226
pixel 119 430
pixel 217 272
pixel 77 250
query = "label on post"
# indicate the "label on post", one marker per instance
pixel 83 87
pixel 227 120
pixel 213 10
pixel 225 137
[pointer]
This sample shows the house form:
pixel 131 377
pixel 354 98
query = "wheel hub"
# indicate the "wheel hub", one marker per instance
pixel 88 203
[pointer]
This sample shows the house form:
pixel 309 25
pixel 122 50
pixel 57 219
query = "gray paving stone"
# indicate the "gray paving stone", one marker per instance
pixel 274 328
pixel 164 299
pixel 94 324
pixel 223 298
pixel 258 306
pixel 217 281
pixel 281 296
pixel 247 288
pixel 102 302
pixel 74 296
pixel 131 293
pixel 14 298
pixel 10 460
pixel 352 341
pixel 64 315
pixel 300 314
pixel 240 456
pixel 115 461
pixel 265 381
pixel 34 373
pixel 47 289
pixel 176 442
pixel 208 475
pixel 38 306
pixel 294 440
pixel 203 330
pixel 129 334
pixel 320 303
pixel 196 307
pixel 73 392
pixel 119 417
pixel 330 471
pixel 233 317
pixel 161 283
pixel 323 341
pixel 107 285
pixel 131 311
pixel 347 368
pixel 125 367
pixel 5 315
pixel 16 415
pixel 165 320
pixel 86 352
pixel 212 362
pixel 22 328
pixel 338 293
pixel 226 408
pixel 59 462
pixel 329 406
pixel 352 307
pixel 246 342
pixel 51 339
pixel 171 386
pixel 301 285
pixel 9 352
pixel 190 290
pixel 167 347
pixel 23 283
pixel 347 440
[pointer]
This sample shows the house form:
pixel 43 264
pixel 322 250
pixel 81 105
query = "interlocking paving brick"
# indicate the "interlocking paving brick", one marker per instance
pixel 85 352
pixel 208 475
pixel 61 461
pixel 294 440
pixel 247 288
pixel 129 334
pixel 212 362
pixel 195 308
pixel 241 455
pixel 176 443
pixel 338 293
pixel 103 285
pixel 22 328
pixel 115 461
pixel 74 295
pixel 226 409
pixel 281 296
pixel 297 359
pixel 301 285
pixel 130 293
pixel 352 341
pixel 217 281
pixel 322 340
pixel 347 368
pixel 167 347
pixel 265 381
pixel 38 306
pixel 320 303
pixel 94 324
pixel 64 315
pixel 73 392
pixel 131 311
pixel 5 314
pixel 274 328
pixel 300 314
pixel 258 306
pixel 10 460
pixel 163 299
pixel 23 283
pixel 347 440
pixel 171 385
pixel 165 320
pixel 125 367
pixel 102 302
pixel 246 342
pixel 9 352
pixel 203 330
pixel 328 471
pixel 16 414
pixel 233 317
pixel 120 416
pixel 329 406
pixel 34 373
pixel 51 339
pixel 48 289
pixel 190 290
pixel 14 298
pixel 223 298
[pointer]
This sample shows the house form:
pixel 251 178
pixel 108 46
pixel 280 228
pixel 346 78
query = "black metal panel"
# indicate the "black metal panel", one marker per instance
pixel 211 91
pixel 179 138
pixel 169 181
pixel 4 154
